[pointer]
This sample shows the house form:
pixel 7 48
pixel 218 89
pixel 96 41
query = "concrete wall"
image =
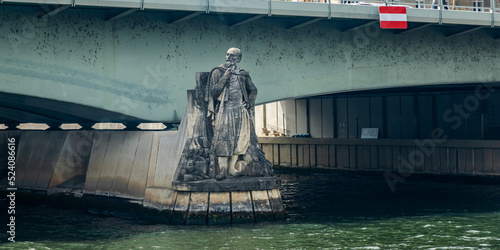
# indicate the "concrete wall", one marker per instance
pixel 46 159
pixel 138 166
pixel 287 117
pixel 105 163
pixel 109 163
pixel 141 66
pixel 448 157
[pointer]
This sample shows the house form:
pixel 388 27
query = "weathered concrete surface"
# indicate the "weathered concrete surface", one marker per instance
pixel 198 208
pixel 123 166
pixel 242 208
pixel 119 162
pixel 112 163
pixel 96 161
pixel 125 163
pixel 237 184
pixel 262 206
pixel 276 203
pixel 212 208
pixel 179 213
pixel 73 158
pixel 167 151
pixel 479 158
pixel 46 159
pixel 140 65
pixel 138 176
pixel 161 199
pixel 109 163
pixel 50 158
pixel 219 210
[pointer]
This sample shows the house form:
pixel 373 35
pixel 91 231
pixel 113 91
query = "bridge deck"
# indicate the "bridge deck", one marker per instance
pixel 277 9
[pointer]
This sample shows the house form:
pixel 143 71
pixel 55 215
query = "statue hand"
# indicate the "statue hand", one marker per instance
pixel 228 72
pixel 247 105
pixel 232 70
pixel 226 76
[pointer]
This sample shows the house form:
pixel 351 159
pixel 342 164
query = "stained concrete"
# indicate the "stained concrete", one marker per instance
pixel 242 209
pixel 136 167
pixel 262 205
pixel 140 65
pixel 50 159
pixel 138 176
pixel 125 162
pixel 219 211
pixel 198 208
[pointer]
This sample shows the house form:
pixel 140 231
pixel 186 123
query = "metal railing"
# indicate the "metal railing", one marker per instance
pixel 438 5
pixel 457 5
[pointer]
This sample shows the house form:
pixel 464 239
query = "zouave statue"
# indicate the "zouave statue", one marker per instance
pixel 224 143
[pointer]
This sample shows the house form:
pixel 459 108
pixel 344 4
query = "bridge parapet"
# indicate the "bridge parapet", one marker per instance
pixel 426 11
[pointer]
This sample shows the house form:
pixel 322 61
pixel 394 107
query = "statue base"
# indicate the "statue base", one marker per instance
pixel 189 204
pixel 229 184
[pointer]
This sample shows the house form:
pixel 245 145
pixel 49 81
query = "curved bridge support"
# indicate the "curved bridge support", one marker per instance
pixel 137 167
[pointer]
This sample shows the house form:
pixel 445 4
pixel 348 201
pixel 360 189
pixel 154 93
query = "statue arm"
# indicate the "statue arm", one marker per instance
pixel 252 92
pixel 219 81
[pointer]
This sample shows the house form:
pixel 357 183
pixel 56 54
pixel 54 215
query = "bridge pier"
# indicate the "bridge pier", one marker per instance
pixel 133 166
pixel 187 207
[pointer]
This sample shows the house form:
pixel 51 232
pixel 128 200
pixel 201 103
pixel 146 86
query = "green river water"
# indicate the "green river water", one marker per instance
pixel 323 212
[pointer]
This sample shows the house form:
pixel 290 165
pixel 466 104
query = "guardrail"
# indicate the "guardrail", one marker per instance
pixel 475 12
pixel 438 5
pixel 476 5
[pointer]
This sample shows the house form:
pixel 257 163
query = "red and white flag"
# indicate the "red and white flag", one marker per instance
pixel 393 17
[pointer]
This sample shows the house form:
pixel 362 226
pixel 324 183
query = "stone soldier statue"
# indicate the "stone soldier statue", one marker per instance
pixel 233 95
pixel 225 139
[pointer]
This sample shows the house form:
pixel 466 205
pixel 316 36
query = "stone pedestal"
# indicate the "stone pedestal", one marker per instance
pixel 238 200
pixel 211 202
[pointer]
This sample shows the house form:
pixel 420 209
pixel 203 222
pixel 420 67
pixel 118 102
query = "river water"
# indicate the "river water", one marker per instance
pixel 323 211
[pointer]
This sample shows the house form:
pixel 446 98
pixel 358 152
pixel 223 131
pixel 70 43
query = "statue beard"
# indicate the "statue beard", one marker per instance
pixel 229 64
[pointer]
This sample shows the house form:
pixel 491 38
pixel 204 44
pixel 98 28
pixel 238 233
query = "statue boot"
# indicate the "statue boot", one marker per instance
pixel 223 164
pixel 238 169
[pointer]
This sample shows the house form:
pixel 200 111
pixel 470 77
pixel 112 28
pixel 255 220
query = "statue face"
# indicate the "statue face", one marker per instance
pixel 232 57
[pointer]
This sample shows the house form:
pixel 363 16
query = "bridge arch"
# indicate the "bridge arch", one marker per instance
pixel 142 66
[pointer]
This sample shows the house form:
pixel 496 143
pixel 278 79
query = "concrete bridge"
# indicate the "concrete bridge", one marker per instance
pixel 133 60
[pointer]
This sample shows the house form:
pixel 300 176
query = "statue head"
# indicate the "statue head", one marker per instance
pixel 233 56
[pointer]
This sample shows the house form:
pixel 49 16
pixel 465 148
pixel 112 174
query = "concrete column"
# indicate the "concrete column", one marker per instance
pixel 301 110
pixel 272 116
pixel 315 118
pixel 281 117
pixel 290 117
pixel 259 119
pixel 327 118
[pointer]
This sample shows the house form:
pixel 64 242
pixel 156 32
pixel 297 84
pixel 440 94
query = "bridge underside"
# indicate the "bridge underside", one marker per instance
pixel 461 112
pixel 16 109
